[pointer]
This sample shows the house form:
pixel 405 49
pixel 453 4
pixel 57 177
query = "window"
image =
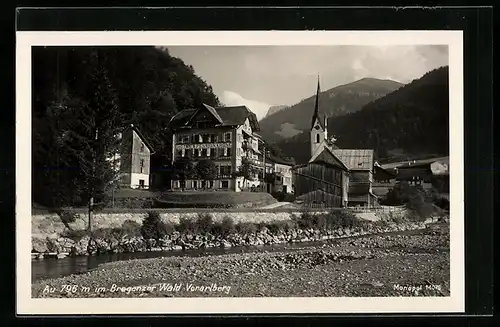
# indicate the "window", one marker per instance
pixel 196 152
pixel 317 138
pixel 203 184
pixel 179 153
pixel 225 170
pixel 228 152
pixel 142 165
pixel 141 183
pixel 183 184
pixel 200 138
pixel 210 184
pixel 212 152
pixel 203 152
pixel 227 137
pixel 195 184
pixel 183 152
pixel 224 184
pixel 142 147
pixel 188 152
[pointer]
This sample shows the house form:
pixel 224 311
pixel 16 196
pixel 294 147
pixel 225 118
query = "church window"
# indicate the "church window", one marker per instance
pixel 317 138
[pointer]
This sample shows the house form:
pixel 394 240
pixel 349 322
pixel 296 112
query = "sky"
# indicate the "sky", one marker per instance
pixel 263 76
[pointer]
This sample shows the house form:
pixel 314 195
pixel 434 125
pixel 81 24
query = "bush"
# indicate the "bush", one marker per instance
pixel 283 197
pixel 187 225
pixel 246 228
pixel 305 221
pixel 75 235
pixel 224 227
pixel 392 218
pixel 154 228
pixel 131 228
pixel 420 207
pixel 281 226
pixel 204 223
pixel 68 217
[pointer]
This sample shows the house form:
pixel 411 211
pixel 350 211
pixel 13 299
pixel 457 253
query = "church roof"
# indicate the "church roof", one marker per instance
pixel 326 155
pixel 355 159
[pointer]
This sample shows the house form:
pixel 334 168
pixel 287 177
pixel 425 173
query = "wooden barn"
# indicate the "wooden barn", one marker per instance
pixel 323 181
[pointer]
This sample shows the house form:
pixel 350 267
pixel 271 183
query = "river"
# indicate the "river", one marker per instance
pixel 53 268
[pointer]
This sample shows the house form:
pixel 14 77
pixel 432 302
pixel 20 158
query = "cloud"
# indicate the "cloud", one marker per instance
pixel 230 98
pixel 284 75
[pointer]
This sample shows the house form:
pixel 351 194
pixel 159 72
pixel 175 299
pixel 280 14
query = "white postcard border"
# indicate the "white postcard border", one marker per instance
pixel 27 305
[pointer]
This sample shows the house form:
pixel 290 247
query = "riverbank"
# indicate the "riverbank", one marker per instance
pixel 416 264
pixel 206 231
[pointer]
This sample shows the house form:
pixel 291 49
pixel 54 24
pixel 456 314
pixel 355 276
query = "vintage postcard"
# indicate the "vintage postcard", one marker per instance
pixel 239 172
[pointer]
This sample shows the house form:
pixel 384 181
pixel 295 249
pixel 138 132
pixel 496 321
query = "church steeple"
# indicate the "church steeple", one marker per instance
pixel 317 133
pixel 315 116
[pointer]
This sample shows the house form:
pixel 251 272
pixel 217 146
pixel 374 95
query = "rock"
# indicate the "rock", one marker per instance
pixel 39 245
pixel 224 244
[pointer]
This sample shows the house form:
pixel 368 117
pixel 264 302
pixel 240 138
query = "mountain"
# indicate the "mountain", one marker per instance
pixel 340 100
pixel 274 109
pixel 411 122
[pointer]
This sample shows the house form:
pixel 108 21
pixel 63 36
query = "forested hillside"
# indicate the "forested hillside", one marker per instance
pixel 145 85
pixel 411 122
pixel 334 102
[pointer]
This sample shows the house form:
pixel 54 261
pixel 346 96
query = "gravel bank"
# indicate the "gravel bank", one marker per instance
pixel 382 265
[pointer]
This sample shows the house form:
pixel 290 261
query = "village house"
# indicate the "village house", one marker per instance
pixel 383 176
pixel 427 173
pixel 227 136
pixel 133 159
pixel 333 176
pixel 279 173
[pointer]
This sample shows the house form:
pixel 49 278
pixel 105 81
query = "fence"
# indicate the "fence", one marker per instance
pixel 324 206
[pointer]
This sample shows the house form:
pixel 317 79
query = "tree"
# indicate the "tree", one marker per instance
pixel 246 170
pixel 184 168
pixel 92 137
pixel 206 170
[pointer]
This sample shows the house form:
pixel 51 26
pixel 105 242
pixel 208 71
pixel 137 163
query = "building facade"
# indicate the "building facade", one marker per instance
pixel 324 180
pixel 227 137
pixel 133 160
pixel 279 175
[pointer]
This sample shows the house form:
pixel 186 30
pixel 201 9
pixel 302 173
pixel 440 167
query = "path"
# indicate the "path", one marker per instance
pixel 276 205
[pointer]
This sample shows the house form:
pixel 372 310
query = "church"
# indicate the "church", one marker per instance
pixel 333 177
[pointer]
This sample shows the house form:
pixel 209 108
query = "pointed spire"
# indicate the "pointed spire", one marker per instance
pixel 316 106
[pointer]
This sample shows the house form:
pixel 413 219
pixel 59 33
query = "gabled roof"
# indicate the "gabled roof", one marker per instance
pixel 279 160
pixel 355 159
pixel 227 116
pixel 418 165
pixel 138 132
pixel 379 169
pixel 327 156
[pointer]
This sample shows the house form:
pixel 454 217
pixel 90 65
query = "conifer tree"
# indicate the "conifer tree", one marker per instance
pixel 93 138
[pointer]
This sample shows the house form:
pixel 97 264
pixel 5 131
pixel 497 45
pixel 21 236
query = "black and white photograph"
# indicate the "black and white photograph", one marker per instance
pixel 232 168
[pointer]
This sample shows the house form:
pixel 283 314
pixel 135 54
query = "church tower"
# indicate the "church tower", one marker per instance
pixel 318 131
